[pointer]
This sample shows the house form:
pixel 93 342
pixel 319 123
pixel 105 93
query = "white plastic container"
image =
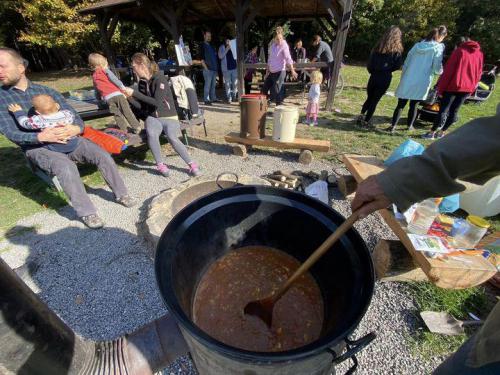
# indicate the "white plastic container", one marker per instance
pixel 423 217
pixel 285 123
pixel 483 201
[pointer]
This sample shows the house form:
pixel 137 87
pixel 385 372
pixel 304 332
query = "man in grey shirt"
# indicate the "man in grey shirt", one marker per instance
pixel 323 53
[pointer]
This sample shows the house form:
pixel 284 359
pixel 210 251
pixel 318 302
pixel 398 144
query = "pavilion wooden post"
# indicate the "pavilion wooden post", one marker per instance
pixel 244 14
pixel 107 26
pixel 169 17
pixel 344 20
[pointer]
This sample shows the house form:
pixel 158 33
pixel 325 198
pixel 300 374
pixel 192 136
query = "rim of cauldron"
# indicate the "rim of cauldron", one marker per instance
pixel 318 346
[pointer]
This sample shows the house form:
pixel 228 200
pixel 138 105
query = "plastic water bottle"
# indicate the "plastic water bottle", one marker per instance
pixel 424 216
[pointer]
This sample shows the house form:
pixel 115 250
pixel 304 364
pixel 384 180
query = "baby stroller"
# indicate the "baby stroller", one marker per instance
pixel 429 108
pixel 486 85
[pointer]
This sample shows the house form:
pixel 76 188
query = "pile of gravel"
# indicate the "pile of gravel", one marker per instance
pixel 102 283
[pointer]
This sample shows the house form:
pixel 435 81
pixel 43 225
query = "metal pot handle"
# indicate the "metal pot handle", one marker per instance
pixel 223 174
pixel 353 348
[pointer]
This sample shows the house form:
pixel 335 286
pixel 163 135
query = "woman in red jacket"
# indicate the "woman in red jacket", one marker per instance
pixel 460 77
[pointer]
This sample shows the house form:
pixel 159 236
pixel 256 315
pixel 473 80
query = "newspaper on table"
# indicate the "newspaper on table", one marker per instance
pixel 432 244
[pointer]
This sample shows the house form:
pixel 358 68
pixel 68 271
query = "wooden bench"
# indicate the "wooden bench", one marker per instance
pixel 305 145
pixel 457 272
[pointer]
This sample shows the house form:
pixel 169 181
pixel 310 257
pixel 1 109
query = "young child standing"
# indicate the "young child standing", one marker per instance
pixel 313 98
pixel 110 88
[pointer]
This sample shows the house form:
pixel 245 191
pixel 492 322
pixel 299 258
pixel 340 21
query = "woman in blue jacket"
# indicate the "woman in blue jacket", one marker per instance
pixel 423 61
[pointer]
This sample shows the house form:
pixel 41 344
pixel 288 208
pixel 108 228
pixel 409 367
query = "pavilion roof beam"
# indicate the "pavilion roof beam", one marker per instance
pixel 322 23
pixel 221 10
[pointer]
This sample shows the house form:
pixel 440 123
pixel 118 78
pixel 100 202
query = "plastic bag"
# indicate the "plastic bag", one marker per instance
pixel 405 149
pixel 318 190
pixel 451 203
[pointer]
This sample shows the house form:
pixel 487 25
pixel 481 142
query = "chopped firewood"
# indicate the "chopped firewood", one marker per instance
pixel 276 183
pixel 347 185
pixel 313 175
pixel 289 175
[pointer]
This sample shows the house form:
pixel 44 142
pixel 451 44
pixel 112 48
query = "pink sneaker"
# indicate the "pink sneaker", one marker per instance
pixel 194 169
pixel 163 169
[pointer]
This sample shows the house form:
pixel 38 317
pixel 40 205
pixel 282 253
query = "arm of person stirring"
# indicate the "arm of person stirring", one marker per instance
pixel 471 153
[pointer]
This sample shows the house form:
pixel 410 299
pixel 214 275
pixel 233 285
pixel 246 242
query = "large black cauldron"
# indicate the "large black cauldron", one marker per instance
pixel 293 222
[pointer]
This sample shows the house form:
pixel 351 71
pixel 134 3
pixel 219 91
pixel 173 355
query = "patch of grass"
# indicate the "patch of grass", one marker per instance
pixel 429 345
pixel 64 80
pixel 458 303
pixel 339 127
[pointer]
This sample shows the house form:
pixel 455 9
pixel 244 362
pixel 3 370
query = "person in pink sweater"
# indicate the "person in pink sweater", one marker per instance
pixel 110 88
pixel 279 59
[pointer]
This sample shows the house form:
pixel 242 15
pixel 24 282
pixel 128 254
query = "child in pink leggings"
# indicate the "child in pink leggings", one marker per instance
pixel 313 98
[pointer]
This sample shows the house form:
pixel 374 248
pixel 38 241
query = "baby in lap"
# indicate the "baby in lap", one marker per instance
pixel 48 115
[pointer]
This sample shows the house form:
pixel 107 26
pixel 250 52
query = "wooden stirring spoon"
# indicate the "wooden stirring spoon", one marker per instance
pixel 263 308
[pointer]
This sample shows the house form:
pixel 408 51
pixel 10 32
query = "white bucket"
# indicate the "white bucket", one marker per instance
pixel 285 123
pixel 483 201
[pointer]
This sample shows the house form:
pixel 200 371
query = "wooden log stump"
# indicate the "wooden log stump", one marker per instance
pixel 240 150
pixel 305 157
pixel 347 185
pixel 392 262
pixel 332 180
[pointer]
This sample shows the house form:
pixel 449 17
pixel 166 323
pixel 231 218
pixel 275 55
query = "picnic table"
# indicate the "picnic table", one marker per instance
pixel 302 66
pixel 89 110
pixel 457 272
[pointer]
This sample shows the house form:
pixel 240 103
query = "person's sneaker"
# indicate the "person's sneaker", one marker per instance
pixel 127 201
pixel 360 119
pixel 428 136
pixel 93 221
pixel 306 121
pixel 411 128
pixel 369 124
pixel 208 103
pixel 163 169
pixel 391 129
pixel 194 169
pixel 440 134
pixel 314 123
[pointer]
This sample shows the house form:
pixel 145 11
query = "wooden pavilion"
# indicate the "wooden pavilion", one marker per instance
pixel 174 15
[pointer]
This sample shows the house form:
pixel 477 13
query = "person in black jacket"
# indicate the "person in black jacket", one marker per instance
pixel 385 58
pixel 155 103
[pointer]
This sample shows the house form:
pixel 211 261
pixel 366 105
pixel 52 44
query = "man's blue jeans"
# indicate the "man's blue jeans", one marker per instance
pixel 209 89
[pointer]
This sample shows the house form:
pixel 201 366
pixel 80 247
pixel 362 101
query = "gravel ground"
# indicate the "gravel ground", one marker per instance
pixel 90 278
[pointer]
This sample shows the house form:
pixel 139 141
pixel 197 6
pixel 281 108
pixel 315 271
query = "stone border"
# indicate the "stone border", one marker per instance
pixel 159 211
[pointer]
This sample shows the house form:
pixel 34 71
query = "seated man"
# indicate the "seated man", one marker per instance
pixel 39 145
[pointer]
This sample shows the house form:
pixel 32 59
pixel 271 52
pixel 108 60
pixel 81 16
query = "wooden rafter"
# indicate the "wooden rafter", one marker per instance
pixel 328 32
pixel 221 10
